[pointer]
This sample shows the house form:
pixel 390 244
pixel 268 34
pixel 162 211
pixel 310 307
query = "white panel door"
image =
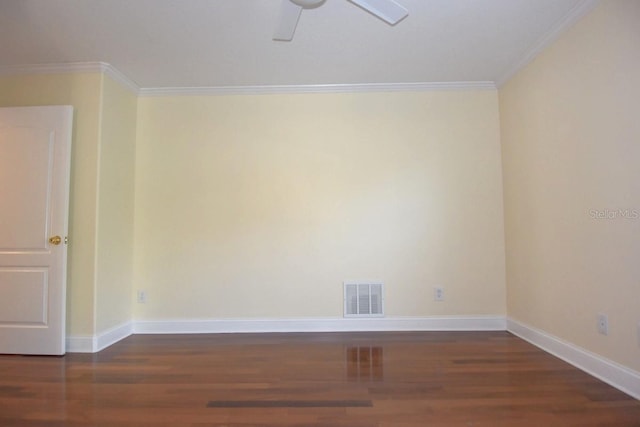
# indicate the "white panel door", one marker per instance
pixel 35 147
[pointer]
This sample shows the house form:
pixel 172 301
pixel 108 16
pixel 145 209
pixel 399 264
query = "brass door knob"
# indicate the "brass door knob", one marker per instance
pixel 55 240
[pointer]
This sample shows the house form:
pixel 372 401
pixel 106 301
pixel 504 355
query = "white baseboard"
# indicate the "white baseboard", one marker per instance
pixel 438 323
pixel 113 335
pixel 81 344
pixel 614 374
pixel 95 343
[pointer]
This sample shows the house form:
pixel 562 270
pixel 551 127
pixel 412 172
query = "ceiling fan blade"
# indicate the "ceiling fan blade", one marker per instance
pixel 387 10
pixel 288 21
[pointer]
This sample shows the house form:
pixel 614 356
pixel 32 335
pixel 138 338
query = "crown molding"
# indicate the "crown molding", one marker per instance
pixel 62 68
pixel 73 67
pixel 119 77
pixel 563 24
pixel 115 74
pixel 320 88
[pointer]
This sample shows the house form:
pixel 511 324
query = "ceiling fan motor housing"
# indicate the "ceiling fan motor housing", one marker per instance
pixel 308 4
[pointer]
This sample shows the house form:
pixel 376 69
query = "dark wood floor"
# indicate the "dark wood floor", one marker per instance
pixel 351 380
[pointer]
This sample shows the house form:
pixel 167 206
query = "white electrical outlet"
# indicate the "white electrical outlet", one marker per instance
pixel 142 297
pixel 603 324
pixel 438 293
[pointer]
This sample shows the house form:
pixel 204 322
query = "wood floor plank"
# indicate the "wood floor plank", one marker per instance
pixel 395 379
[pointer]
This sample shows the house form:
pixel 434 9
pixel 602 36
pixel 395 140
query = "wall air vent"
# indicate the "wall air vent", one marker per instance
pixel 363 300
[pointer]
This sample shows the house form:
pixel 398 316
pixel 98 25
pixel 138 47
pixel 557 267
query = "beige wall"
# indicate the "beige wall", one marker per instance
pixel 83 91
pixel 114 242
pixel 101 200
pixel 260 206
pixel 571 150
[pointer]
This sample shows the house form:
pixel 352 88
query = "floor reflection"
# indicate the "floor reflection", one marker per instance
pixel 365 363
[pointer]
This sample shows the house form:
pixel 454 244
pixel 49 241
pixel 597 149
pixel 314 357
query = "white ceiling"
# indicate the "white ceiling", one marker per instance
pixel 221 43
